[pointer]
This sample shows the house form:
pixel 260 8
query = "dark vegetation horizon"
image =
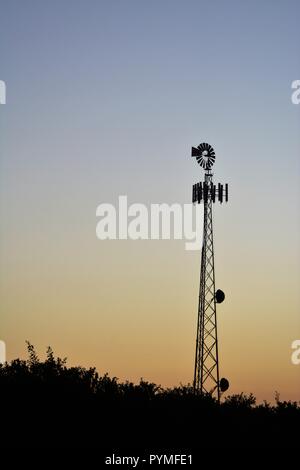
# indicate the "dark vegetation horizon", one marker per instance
pixel 49 405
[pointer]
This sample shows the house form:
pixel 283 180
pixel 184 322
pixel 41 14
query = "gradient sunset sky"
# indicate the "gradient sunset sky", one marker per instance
pixel 106 98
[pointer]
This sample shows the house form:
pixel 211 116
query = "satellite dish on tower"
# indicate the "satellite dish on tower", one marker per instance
pixel 224 384
pixel 219 296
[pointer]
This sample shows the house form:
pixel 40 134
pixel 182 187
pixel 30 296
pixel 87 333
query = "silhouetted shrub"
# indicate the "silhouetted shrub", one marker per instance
pixel 47 404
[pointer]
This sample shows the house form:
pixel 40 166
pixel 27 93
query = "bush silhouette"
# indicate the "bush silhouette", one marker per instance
pixel 46 404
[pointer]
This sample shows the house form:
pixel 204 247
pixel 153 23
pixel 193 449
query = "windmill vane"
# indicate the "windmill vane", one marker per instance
pixel 205 155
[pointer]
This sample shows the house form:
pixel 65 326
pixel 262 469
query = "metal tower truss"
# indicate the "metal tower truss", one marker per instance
pixel 206 371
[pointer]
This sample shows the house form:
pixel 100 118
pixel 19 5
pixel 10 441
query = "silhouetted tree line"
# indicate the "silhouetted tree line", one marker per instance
pixel 47 404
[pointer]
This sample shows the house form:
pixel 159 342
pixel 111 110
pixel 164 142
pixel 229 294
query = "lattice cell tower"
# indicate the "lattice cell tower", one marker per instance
pixel 206 372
